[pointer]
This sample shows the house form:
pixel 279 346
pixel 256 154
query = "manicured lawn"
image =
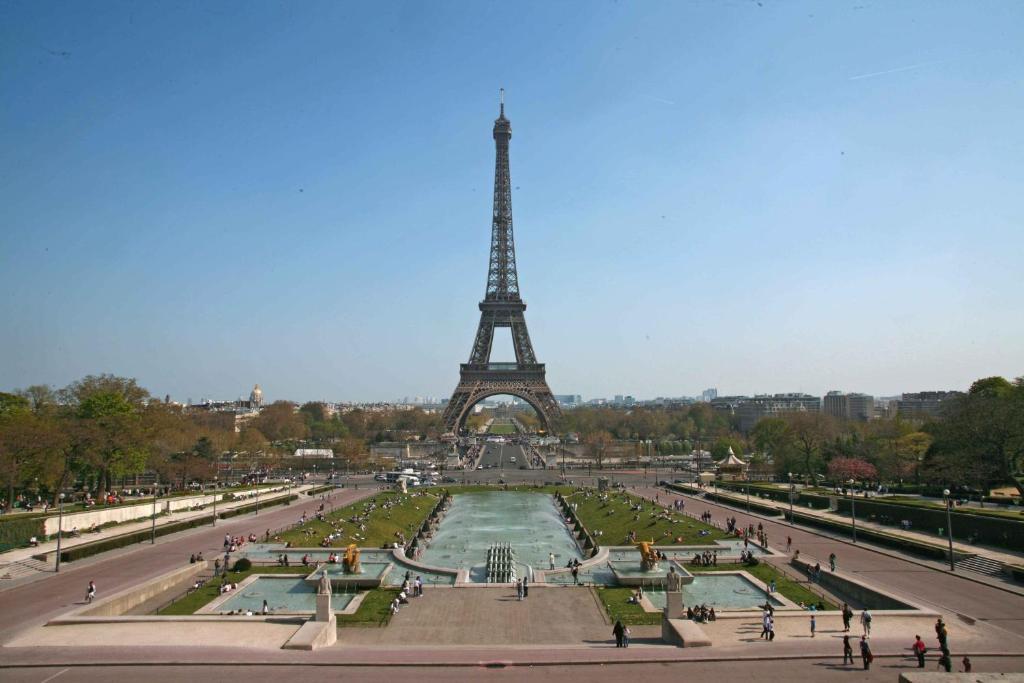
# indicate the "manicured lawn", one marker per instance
pixel 797 592
pixel 500 429
pixel 616 519
pixel 406 517
pixel 375 610
pixel 188 604
pixel 614 601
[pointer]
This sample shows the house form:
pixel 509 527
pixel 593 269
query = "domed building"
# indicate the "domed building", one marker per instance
pixel 256 398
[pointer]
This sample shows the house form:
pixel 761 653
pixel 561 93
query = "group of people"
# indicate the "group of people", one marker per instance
pixel 196 557
pixel 701 614
pixel 708 558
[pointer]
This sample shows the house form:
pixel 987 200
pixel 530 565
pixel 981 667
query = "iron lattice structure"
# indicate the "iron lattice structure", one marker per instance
pixel 502 307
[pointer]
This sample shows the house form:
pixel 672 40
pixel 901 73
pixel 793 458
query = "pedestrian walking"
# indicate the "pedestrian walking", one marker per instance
pixel 625 636
pixel 90 592
pixel 813 625
pixel 832 562
pixel 519 590
pixel 526 588
pixel 865 622
pixel 945 662
pixel 919 650
pixel 789 543
pixel 575 575
pixel 966 662
pixel 619 631
pixel 941 633
pixel 551 560
pixel 766 622
pixel 865 652
pixel 847 617
pixel 847 651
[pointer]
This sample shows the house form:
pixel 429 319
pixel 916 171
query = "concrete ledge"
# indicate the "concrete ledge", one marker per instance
pixel 683 633
pixel 124 600
pixel 313 635
pixel 920 677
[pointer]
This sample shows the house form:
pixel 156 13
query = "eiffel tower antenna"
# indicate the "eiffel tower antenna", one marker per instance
pixel 502 306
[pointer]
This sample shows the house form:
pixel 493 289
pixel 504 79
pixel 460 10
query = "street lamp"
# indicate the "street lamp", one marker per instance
pixel 792 520
pixel 949 526
pixel 853 511
pixel 215 494
pixel 257 491
pixel 748 496
pixel 60 529
pixel 152 532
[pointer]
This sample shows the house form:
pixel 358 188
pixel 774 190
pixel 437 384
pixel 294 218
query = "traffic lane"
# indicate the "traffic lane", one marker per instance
pixel 930 586
pixel 35 603
pixel 797 670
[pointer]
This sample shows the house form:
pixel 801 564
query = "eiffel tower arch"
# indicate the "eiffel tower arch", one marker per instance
pixel 502 307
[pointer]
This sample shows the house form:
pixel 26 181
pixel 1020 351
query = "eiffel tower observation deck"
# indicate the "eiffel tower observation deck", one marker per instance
pixel 502 306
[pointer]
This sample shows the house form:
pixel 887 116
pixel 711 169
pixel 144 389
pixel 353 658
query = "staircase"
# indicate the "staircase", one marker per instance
pixel 22 568
pixel 980 565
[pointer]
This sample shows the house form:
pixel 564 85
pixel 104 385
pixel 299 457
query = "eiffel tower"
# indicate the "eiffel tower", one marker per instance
pixel 502 307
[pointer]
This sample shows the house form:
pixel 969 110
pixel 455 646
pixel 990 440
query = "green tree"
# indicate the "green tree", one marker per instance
pixel 985 429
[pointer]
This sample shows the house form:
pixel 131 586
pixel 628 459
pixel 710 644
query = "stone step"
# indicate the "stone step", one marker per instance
pixel 23 568
pixel 980 565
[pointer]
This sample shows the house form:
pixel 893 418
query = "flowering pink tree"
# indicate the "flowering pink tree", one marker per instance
pixel 858 469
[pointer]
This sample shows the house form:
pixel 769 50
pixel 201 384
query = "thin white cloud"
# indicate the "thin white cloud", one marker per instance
pixel 892 71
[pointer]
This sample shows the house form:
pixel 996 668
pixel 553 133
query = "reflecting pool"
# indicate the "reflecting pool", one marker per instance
pixel 530 522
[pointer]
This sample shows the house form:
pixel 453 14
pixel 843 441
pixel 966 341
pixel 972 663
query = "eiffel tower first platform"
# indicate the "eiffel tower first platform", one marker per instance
pixel 502 307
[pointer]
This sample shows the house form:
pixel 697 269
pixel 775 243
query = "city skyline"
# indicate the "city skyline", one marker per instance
pixel 697 204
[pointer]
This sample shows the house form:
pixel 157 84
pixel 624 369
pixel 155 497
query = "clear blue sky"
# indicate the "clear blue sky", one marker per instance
pixel 756 196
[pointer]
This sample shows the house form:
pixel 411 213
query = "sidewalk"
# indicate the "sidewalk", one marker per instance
pixel 999 555
pixel 25 554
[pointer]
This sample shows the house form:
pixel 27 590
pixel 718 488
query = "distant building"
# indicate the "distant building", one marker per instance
pixel 314 453
pixel 859 407
pixel 754 409
pixel 709 395
pixel 925 403
pixel 569 400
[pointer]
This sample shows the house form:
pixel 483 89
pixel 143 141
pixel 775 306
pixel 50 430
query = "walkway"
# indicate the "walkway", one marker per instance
pixel 996 554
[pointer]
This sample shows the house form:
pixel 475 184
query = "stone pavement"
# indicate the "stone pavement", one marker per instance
pixel 552 615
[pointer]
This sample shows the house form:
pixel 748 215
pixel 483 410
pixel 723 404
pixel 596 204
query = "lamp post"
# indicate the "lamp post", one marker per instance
pixel 949 526
pixel 257 491
pixel 152 531
pixel 60 529
pixel 853 511
pixel 792 520
pixel 215 494
pixel 748 496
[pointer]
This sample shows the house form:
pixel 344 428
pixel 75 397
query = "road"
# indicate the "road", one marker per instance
pixel 797 671
pixel 499 456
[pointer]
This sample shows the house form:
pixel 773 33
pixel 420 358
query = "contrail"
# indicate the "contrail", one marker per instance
pixel 892 71
pixel 658 99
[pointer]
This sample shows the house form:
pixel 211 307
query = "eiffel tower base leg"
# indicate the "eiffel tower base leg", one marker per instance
pixel 467 395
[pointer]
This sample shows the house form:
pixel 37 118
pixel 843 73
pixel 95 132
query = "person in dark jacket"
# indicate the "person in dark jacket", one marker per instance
pixel 619 631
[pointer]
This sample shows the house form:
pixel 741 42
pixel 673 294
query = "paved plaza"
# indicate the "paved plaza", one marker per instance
pixel 487 632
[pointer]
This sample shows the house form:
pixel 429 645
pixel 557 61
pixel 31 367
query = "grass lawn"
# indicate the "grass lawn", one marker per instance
pixel 615 519
pixel 614 601
pixel 500 429
pixel 797 592
pixel 188 604
pixel 407 517
pixel 375 610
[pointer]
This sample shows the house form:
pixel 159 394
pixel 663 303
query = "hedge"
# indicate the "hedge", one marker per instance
pixel 244 509
pixel 995 531
pixel 89 549
pixel 320 489
pixel 937 552
pixel 16 532
pixel 755 504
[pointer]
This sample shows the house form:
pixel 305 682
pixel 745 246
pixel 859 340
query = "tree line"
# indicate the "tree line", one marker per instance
pixel 978 441
pixel 102 430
